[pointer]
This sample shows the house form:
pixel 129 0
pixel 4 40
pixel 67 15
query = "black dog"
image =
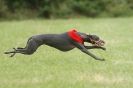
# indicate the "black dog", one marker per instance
pixel 64 42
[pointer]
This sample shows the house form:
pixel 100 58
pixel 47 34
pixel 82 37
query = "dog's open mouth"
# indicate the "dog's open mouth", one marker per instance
pixel 98 43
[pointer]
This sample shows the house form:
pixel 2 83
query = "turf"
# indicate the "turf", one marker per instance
pixel 51 68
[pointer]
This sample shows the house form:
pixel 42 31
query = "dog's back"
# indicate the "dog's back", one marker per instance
pixel 58 41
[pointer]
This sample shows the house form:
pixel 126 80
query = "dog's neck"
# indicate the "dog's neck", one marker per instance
pixel 85 37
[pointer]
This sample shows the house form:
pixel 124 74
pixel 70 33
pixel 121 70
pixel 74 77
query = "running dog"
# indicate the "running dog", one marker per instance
pixel 63 42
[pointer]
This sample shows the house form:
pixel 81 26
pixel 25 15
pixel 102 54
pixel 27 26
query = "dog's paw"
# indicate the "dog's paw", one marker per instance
pixel 6 52
pixel 101 59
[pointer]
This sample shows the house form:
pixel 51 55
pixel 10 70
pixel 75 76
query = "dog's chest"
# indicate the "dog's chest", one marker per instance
pixel 60 43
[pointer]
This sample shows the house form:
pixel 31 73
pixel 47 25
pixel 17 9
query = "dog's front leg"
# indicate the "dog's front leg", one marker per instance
pixel 83 49
pixel 95 47
pixel 92 55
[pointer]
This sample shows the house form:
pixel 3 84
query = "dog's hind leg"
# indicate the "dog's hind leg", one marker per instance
pixel 30 48
pixel 12 52
pixel 19 48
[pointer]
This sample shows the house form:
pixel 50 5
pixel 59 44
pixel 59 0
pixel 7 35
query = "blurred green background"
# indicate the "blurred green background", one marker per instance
pixel 29 9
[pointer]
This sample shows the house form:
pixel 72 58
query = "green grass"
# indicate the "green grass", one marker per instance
pixel 51 68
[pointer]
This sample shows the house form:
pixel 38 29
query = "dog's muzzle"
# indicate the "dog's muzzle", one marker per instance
pixel 98 43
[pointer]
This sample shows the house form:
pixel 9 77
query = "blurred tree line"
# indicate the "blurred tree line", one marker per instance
pixel 19 9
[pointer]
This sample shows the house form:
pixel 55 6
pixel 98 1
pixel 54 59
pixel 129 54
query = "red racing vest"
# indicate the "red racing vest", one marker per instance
pixel 74 36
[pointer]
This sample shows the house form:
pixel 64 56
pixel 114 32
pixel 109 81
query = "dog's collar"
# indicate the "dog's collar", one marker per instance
pixel 74 36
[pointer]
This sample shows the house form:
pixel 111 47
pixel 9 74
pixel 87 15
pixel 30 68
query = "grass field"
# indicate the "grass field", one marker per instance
pixel 51 68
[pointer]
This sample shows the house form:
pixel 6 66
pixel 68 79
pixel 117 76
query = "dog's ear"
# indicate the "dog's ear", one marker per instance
pixel 89 36
pixel 94 37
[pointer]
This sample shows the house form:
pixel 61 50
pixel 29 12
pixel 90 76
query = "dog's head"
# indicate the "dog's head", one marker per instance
pixel 95 40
